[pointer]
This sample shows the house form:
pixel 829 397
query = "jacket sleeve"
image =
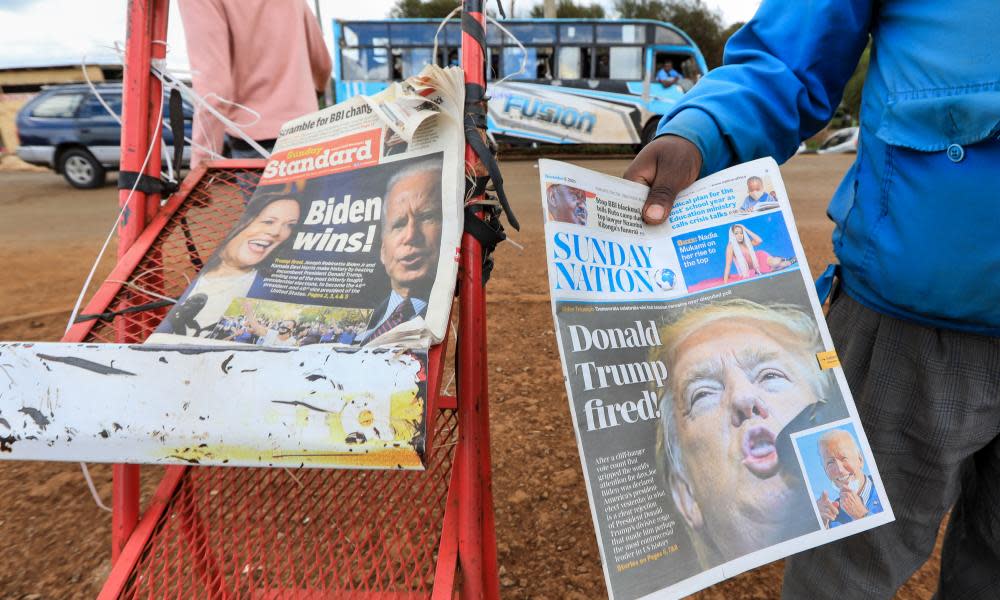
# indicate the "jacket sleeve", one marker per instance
pixel 782 78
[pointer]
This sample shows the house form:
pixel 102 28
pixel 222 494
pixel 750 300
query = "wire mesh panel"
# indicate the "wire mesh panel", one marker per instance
pixel 183 245
pixel 307 533
pixel 271 533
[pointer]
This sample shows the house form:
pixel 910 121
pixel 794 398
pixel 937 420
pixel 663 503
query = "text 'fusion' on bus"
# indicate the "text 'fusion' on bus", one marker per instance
pixel 585 81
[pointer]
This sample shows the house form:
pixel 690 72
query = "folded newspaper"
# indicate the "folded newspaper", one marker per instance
pixel 716 429
pixel 350 239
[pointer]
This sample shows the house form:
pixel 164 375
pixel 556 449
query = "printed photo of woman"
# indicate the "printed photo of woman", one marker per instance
pixel 267 223
pixel 742 252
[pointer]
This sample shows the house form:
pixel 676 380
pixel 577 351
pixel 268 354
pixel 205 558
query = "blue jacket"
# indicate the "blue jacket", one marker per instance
pixel 918 214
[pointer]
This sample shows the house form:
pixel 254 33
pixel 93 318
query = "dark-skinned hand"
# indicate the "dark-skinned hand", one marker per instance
pixel 667 165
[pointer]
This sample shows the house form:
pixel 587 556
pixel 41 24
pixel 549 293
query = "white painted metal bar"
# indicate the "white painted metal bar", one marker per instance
pixel 213 405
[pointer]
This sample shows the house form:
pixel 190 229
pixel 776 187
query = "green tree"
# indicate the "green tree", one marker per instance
pixel 642 9
pixel 422 9
pixel 852 92
pixel 567 9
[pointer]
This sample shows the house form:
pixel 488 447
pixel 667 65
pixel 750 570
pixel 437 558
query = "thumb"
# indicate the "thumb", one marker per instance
pixel 824 497
pixel 667 165
pixel 660 199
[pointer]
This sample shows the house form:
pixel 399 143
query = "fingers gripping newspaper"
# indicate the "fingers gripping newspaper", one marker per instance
pixel 716 429
pixel 350 239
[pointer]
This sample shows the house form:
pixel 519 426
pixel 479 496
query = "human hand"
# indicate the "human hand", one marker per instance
pixel 667 165
pixel 853 505
pixel 828 509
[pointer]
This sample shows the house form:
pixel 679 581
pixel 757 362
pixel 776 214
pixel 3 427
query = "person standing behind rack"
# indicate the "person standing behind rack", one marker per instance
pixel 267 55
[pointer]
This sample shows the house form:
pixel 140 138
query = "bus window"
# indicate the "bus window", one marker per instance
pixel 690 69
pixel 366 34
pixel 684 64
pixel 537 66
pixel 669 36
pixel 621 34
pixel 365 64
pixel 533 33
pixel 574 62
pixel 576 34
pixel 493 60
pixel 407 62
pixel 448 57
pixel 418 34
pixel 494 35
pixel 451 35
pixel 619 62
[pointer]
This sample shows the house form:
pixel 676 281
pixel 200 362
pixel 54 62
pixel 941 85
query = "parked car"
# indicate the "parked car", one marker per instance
pixel 840 142
pixel 67 129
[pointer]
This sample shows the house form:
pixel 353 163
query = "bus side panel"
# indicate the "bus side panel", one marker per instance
pixel 349 89
pixel 564 115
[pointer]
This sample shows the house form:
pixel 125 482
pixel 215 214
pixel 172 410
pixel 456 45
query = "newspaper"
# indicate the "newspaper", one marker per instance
pixel 352 233
pixel 716 429
pixel 350 239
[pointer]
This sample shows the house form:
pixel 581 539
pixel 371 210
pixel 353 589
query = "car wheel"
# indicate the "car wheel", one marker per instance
pixel 81 169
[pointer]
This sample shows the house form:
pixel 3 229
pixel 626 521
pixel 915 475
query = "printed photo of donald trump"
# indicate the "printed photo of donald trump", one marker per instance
pixel 743 377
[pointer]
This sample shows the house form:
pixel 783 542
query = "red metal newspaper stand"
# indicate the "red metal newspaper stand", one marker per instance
pixel 273 533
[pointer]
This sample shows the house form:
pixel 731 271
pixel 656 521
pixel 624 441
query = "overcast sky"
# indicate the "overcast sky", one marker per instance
pixel 46 32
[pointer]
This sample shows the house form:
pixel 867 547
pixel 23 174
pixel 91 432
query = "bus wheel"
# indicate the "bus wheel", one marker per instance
pixel 649 131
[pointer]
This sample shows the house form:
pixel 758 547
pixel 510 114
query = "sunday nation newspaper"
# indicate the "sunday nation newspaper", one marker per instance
pixel 715 427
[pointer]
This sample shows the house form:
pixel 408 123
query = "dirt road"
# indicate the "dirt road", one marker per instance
pixel 55 541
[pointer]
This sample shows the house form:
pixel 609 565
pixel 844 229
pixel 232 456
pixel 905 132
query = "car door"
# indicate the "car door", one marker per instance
pixel 47 122
pixel 99 131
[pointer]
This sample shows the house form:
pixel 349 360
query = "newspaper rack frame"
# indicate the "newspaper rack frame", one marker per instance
pixel 461 540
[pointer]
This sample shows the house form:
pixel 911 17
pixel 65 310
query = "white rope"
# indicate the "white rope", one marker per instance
pixel 100 99
pixel 100 255
pixel 169 81
pixel 444 22
pixel 143 290
pixel 524 51
pixel 111 234
pixel 92 488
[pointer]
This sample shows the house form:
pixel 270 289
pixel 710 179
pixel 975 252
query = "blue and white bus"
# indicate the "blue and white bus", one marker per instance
pixel 587 81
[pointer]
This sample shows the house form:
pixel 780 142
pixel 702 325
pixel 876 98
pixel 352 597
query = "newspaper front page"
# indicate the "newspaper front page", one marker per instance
pixel 715 427
pixel 350 239
pixel 351 235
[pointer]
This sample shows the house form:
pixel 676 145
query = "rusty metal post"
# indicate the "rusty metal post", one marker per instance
pixel 141 98
pixel 478 563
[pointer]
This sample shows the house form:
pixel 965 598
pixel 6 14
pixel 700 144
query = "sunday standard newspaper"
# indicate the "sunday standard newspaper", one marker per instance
pixel 349 239
pixel 715 427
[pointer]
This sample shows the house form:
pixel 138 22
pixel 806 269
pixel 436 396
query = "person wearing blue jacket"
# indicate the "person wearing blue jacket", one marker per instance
pixel 916 316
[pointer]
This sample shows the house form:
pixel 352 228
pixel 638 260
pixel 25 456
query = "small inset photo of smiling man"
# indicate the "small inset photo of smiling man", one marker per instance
pixel 841 486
